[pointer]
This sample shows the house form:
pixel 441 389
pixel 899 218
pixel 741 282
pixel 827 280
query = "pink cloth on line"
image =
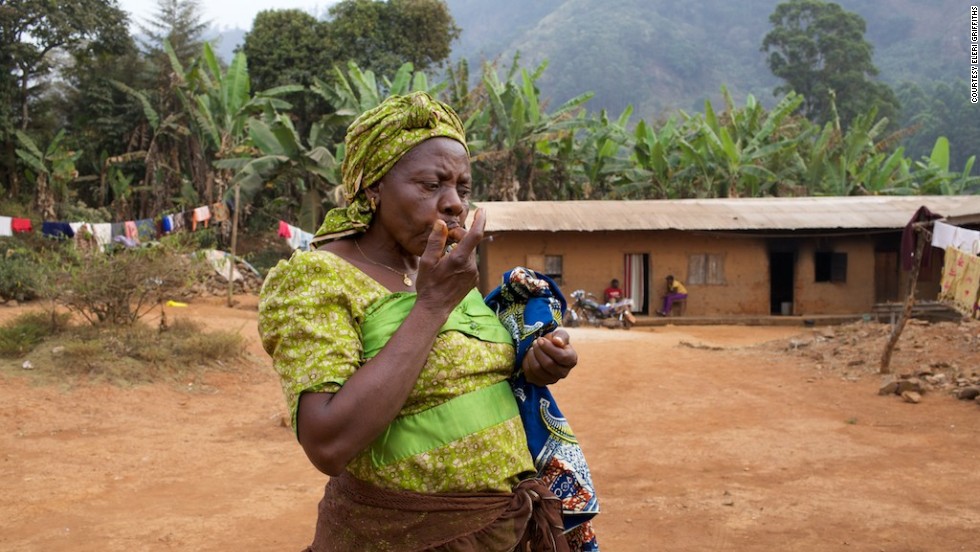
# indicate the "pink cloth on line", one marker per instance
pixel 131 231
pixel 201 214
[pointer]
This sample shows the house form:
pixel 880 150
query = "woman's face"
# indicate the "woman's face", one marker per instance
pixel 432 181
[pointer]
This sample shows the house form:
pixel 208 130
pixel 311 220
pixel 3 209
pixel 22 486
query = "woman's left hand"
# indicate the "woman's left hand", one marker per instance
pixel 549 359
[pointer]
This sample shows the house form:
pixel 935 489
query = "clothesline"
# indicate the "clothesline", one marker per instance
pixel 960 281
pixel 129 233
pixel 296 237
pixel 946 235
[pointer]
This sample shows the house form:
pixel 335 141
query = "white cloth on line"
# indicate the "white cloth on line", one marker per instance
pixel 946 235
pixel 103 233
pixel 299 239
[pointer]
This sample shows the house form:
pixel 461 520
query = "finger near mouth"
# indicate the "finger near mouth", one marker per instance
pixel 455 235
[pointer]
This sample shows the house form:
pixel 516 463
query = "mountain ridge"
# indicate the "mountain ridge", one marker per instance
pixel 663 56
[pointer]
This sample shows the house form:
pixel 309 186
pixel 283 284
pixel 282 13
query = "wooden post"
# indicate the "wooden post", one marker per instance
pixel 921 237
pixel 234 243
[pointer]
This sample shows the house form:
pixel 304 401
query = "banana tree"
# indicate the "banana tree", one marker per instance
pixel 160 151
pixel 744 153
pixel 654 164
pixel 512 127
pixel 932 174
pixel 603 153
pixel 221 107
pixel 50 171
pixel 357 91
pixel 288 167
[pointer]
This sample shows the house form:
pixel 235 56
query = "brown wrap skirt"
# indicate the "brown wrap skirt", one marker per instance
pixel 357 516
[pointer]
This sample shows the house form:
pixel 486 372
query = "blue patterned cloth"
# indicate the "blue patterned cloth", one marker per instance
pixel 530 305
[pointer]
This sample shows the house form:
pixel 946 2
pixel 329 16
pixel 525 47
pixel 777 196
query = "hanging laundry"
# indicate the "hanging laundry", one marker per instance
pixel 284 230
pixel 146 230
pixel 85 239
pixel 907 253
pixel 220 212
pixel 5 229
pixel 180 222
pixel 57 230
pixel 299 238
pixel 199 215
pixel 946 235
pixel 132 232
pixel 21 225
pixel 103 233
pixel 960 281
pixel 126 241
pixel 167 224
pixel 118 229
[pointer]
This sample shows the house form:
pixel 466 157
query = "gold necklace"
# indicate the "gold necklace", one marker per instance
pixel 405 275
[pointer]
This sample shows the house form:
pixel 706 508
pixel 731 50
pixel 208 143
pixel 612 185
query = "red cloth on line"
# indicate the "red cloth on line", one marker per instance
pixel 20 225
pixel 284 230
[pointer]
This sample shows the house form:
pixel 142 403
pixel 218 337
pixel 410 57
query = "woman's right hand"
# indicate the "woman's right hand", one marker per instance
pixel 445 278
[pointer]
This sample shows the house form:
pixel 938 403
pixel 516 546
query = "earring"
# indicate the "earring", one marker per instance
pixel 372 203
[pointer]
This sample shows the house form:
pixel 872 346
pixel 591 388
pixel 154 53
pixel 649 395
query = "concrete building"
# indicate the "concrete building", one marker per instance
pixel 752 256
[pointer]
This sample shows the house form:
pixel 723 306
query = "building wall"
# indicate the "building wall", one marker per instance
pixel 856 294
pixel 591 259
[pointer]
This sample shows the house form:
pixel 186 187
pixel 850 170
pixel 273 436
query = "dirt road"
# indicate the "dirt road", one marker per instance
pixel 698 439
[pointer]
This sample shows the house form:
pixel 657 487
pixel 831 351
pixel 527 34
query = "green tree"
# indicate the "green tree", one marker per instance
pixel 50 170
pixel 513 128
pixel 177 22
pixel 357 91
pixel 285 47
pixel 819 50
pixel 742 152
pixel 174 164
pixel 936 109
pixel 381 36
pixel 98 117
pixel 31 33
pixel 289 47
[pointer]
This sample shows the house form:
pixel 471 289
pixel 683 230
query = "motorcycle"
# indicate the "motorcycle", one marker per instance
pixel 586 309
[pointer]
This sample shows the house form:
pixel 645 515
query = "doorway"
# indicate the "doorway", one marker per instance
pixel 886 276
pixel 782 269
pixel 636 281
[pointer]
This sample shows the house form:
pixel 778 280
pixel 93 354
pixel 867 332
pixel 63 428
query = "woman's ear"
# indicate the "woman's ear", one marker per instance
pixel 374 195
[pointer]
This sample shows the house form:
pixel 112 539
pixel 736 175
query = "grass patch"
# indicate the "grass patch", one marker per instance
pixel 25 332
pixel 123 355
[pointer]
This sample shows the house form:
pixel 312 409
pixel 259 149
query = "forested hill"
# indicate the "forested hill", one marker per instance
pixel 664 55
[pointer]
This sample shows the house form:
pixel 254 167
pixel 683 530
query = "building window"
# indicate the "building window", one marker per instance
pixel 552 267
pixel 829 266
pixel 706 269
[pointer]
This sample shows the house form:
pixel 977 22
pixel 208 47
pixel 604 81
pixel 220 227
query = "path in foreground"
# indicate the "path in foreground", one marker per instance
pixel 720 447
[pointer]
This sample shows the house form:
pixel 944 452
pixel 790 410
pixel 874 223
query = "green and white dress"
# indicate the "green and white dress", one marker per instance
pixel 321 318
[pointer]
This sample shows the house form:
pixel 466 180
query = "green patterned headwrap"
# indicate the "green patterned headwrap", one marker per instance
pixel 375 142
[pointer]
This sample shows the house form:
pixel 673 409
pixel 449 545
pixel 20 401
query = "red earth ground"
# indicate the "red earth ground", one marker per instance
pixel 705 438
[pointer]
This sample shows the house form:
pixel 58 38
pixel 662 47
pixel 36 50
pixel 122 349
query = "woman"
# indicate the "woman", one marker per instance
pixel 393 368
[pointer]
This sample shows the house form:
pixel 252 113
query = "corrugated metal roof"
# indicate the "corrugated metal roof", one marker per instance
pixel 963 214
pixel 771 213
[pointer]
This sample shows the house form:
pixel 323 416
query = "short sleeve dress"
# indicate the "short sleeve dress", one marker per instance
pixel 310 315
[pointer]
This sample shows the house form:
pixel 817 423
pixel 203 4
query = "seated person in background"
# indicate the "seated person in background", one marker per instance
pixel 613 293
pixel 675 292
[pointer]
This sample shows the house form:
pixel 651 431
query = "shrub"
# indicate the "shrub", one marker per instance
pixel 122 285
pixel 19 276
pixel 20 335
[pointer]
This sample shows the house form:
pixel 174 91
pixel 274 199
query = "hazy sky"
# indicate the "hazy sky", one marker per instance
pixel 228 13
